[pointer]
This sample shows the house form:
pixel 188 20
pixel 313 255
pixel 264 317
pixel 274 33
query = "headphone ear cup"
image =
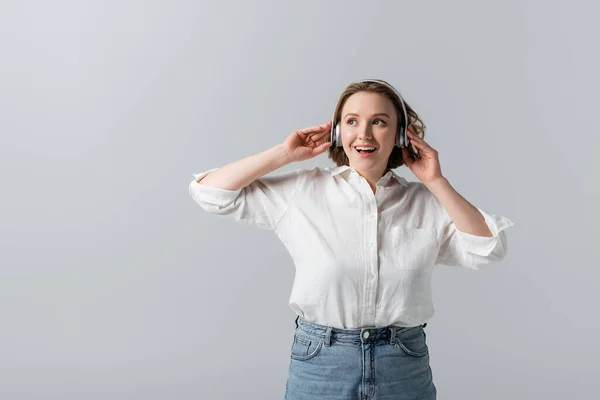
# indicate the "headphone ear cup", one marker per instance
pixel 338 135
pixel 400 138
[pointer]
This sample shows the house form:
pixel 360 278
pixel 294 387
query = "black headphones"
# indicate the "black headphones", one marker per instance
pixel 401 137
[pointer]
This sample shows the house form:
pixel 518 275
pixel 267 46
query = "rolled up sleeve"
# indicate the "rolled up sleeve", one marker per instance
pixel 262 203
pixel 462 249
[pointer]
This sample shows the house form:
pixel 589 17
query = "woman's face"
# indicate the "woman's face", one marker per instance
pixel 368 120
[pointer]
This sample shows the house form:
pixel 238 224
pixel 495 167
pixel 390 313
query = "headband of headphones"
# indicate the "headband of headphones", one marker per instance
pixel 401 137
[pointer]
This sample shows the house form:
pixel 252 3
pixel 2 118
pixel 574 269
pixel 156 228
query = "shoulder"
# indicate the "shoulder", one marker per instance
pixel 419 188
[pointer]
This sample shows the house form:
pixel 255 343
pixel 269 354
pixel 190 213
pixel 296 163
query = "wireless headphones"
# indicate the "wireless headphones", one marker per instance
pixel 401 137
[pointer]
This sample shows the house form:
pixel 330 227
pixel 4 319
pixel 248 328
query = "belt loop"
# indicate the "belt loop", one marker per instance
pixel 328 336
pixel 424 325
pixel 392 334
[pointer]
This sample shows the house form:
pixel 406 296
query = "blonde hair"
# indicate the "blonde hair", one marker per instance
pixel 338 155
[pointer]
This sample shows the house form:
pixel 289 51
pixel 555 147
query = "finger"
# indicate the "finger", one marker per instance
pixel 315 129
pixel 413 135
pixel 419 149
pixel 411 129
pixel 317 137
pixel 419 143
pixel 416 137
pixel 422 147
pixel 321 148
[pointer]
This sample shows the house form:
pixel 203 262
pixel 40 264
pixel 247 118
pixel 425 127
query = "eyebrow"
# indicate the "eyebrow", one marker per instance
pixel 374 115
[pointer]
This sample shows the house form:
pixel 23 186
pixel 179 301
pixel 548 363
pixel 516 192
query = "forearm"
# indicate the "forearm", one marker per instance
pixel 465 216
pixel 239 174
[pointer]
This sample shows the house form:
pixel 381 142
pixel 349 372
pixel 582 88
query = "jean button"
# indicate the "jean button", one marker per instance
pixel 366 334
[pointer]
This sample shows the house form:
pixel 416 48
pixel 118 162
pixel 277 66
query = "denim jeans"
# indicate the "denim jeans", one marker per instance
pixel 328 363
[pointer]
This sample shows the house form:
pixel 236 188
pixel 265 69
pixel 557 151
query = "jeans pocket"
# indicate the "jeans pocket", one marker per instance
pixel 413 342
pixel 305 346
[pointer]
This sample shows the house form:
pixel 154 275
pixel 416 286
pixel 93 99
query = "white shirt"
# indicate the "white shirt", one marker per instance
pixel 362 259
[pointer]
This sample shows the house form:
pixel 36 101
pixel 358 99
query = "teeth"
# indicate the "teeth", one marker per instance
pixel 365 148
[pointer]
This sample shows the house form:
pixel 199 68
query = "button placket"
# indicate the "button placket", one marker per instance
pixel 372 257
pixel 371 225
pixel 372 246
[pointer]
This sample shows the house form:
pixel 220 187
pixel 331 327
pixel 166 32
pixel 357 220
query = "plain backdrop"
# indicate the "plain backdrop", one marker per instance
pixel 114 284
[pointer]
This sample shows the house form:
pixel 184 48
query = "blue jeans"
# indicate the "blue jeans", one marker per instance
pixel 388 363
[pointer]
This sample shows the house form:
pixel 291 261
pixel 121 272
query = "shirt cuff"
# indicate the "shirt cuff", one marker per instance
pixel 484 245
pixel 212 195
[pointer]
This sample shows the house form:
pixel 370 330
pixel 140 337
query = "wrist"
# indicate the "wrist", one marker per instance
pixel 283 154
pixel 437 183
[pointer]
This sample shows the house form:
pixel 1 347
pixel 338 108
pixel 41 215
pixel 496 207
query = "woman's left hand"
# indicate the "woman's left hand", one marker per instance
pixel 427 166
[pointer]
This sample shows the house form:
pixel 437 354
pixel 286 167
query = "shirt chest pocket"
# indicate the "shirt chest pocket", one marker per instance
pixel 414 248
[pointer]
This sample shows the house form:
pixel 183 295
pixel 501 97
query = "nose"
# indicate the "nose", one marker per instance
pixel 365 134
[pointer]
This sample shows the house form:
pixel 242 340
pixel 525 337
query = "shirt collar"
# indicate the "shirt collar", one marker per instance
pixel 387 176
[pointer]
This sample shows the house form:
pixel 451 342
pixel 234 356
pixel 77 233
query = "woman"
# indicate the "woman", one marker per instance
pixel 364 243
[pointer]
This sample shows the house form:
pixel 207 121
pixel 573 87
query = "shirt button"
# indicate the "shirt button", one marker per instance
pixel 366 334
pixel 371 275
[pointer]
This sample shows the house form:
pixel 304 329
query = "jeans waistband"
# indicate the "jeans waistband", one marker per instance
pixel 358 335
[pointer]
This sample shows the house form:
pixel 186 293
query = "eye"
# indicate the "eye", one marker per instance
pixel 349 121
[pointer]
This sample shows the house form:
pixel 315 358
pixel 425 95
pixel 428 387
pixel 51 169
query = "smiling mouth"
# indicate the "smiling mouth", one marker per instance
pixel 365 151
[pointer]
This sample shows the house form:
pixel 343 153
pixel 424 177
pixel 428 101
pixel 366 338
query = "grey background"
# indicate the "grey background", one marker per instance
pixel 115 284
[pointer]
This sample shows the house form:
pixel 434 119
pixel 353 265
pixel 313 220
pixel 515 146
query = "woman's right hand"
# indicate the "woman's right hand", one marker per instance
pixel 308 142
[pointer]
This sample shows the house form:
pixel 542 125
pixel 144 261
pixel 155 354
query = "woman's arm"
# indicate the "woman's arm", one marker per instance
pixel 470 237
pixel 241 173
pixel 241 191
pixel 465 216
pixel 298 146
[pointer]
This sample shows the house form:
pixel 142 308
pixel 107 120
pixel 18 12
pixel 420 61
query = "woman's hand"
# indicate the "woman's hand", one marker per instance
pixel 308 142
pixel 427 166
